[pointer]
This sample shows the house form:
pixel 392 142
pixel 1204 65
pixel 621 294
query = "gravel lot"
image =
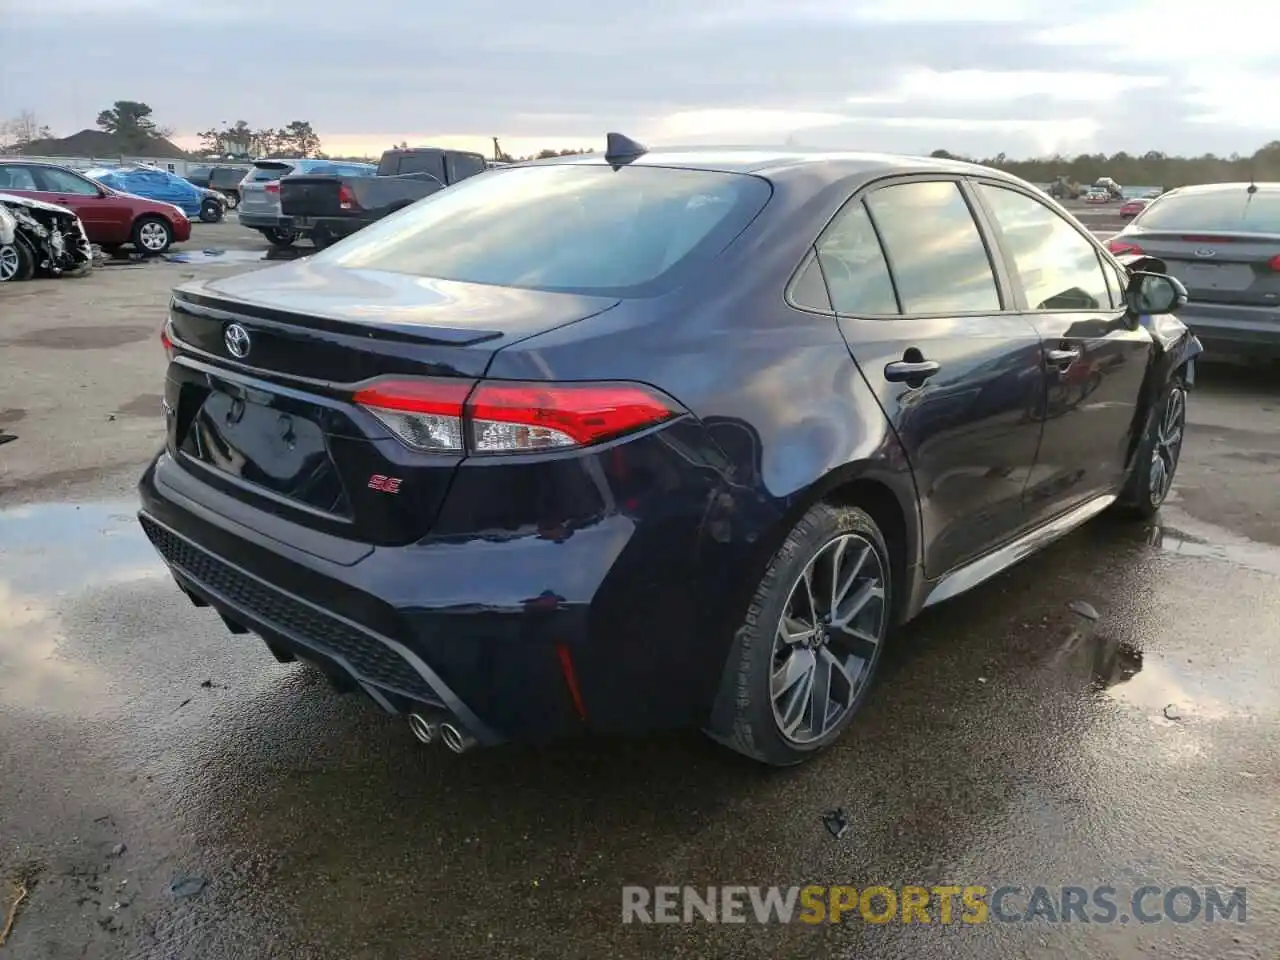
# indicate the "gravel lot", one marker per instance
pixel 171 792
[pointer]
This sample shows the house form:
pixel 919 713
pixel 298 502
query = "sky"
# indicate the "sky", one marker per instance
pixel 979 77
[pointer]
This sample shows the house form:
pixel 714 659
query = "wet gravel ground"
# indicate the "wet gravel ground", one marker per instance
pixel 168 791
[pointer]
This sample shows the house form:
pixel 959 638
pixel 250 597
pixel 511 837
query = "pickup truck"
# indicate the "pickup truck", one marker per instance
pixel 328 208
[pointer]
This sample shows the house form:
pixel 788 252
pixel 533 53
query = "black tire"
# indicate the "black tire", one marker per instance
pixel 17 261
pixel 211 211
pixel 280 238
pixel 152 236
pixel 1148 485
pixel 756 728
pixel 321 238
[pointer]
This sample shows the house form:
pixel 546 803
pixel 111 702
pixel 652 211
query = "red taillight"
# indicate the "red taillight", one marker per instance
pixel 346 198
pixel 497 416
pixel 1274 263
pixel 166 341
pixel 273 187
pixel 1123 247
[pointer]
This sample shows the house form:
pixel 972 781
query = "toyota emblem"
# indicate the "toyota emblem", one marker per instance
pixel 1205 252
pixel 237 340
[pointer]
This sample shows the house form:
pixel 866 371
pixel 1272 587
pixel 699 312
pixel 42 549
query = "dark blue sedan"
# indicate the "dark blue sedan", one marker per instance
pixel 637 440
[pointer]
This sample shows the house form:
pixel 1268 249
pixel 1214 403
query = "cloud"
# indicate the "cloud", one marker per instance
pixel 1018 76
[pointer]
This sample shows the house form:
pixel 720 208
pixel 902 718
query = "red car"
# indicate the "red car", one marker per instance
pixel 1132 208
pixel 111 219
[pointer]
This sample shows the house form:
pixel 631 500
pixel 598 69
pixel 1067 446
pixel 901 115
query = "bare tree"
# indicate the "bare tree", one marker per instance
pixel 21 130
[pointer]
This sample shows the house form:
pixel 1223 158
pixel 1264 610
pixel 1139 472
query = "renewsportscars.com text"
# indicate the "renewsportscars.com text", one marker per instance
pixel 943 905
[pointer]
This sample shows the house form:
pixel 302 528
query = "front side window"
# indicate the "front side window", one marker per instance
pixel 854 265
pixel 64 181
pixel 1058 267
pixel 935 251
pixel 578 228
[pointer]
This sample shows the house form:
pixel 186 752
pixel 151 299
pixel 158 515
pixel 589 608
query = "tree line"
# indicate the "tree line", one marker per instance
pixel 295 139
pixel 1151 169
pixel 133 125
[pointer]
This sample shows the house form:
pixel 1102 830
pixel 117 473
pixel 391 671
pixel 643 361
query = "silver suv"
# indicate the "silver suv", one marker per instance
pixel 260 193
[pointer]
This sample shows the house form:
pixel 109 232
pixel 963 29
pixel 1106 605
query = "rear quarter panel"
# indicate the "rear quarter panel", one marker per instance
pixel 785 412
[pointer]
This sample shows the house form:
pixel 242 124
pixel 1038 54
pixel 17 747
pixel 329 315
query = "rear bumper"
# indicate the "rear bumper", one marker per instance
pixel 264 221
pixel 1230 329
pixel 335 227
pixel 528 638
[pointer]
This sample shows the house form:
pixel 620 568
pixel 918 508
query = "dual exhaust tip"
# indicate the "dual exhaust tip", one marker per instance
pixel 430 730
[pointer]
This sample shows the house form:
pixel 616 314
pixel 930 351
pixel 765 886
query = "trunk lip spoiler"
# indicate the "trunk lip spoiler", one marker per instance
pixel 230 309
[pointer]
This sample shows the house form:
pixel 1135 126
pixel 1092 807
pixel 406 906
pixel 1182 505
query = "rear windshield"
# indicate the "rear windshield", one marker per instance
pixel 263 174
pixel 1219 211
pixel 578 228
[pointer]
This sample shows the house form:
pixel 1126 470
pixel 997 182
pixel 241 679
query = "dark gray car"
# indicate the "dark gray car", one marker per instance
pixel 1222 240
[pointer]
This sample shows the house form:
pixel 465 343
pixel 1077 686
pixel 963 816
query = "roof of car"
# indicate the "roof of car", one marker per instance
pixel 772 162
pixel 1265 186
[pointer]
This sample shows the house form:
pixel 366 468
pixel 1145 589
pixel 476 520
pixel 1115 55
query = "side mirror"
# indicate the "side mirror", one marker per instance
pixel 1155 293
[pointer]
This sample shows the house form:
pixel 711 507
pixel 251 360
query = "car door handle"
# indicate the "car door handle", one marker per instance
pixel 1062 358
pixel 910 371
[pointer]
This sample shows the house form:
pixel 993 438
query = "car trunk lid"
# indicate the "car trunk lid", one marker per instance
pixel 1219 267
pixel 259 191
pixel 260 394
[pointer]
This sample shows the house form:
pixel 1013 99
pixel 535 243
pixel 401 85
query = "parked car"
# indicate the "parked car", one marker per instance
pixel 225 180
pixel 1097 195
pixel 1222 240
pixel 1131 208
pixel 39 237
pixel 111 218
pixel 213 205
pixel 260 193
pixel 624 441
pixel 153 184
pixel 328 206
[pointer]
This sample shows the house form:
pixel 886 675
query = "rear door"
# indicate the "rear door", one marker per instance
pixel 923 307
pixel 107 218
pixel 1095 356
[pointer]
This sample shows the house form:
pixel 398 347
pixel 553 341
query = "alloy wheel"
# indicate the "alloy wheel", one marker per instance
pixel 10 262
pixel 1168 445
pixel 827 639
pixel 153 236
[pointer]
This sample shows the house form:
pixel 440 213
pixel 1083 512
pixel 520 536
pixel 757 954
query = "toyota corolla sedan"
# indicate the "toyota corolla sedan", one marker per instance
pixel 637 440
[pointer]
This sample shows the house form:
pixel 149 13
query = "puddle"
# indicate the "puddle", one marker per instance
pixel 212 255
pixel 49 555
pixel 51 549
pixel 84 338
pixel 1191 538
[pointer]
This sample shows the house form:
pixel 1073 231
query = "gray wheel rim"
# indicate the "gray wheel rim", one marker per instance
pixel 10 261
pixel 827 639
pixel 153 236
pixel 1168 446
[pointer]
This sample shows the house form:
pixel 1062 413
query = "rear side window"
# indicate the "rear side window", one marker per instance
pixel 935 251
pixel 267 174
pixel 1218 211
pixel 1059 268
pixel 432 163
pixel 854 265
pixel 17 178
pixel 463 165
pixel 578 228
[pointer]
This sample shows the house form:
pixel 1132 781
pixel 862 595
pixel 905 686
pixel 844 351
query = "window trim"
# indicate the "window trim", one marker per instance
pixel 995 257
pixel 788 293
pixel 1101 254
